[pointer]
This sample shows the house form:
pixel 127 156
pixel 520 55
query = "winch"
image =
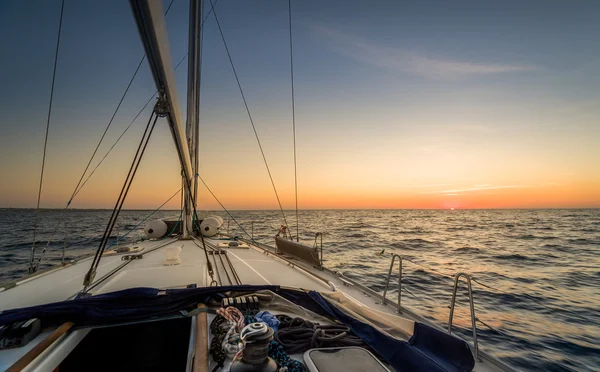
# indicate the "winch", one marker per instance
pixel 256 338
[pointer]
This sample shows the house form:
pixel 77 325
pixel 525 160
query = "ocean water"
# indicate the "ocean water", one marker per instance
pixel 537 294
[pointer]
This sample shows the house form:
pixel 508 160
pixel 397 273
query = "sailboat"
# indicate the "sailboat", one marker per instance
pixel 191 298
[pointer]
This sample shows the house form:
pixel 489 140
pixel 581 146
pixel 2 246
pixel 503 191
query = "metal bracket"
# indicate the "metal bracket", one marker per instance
pixel 220 251
pixel 162 108
pixel 89 278
pixel 130 257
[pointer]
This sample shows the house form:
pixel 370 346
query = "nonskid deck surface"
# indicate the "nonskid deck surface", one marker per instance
pixel 251 265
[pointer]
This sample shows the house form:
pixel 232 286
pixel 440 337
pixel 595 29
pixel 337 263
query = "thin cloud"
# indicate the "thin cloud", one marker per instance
pixel 426 186
pixel 411 62
pixel 476 188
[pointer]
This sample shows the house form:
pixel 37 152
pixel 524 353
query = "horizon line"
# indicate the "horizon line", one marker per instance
pixel 318 209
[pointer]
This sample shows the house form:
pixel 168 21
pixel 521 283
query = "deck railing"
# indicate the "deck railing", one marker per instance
pixel 457 277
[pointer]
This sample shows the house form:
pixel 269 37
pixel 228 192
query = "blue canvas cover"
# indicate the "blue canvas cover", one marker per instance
pixel 427 350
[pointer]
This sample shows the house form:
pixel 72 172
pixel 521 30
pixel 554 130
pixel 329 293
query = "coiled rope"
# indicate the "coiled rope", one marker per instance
pixel 297 335
pixel 232 343
pixel 218 333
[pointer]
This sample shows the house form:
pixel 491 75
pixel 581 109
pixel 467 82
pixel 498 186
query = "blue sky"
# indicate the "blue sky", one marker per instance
pixel 391 96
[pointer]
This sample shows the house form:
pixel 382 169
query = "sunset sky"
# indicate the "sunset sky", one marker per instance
pixel 399 104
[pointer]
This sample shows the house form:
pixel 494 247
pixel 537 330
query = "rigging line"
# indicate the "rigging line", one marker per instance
pixel 123 133
pixel 169 7
pixel 104 157
pixel 221 252
pixel 247 109
pixel 235 274
pixel 294 120
pixel 181 199
pixel 139 160
pixel 215 250
pixel 224 267
pixel 113 145
pixel 112 118
pixel 123 194
pixel 150 215
pixel 124 191
pixel 106 129
pixel 208 264
pixel 64 210
pixel 138 114
pixel 214 261
pixel 37 209
pixel 79 185
pixel 192 200
pixel 225 209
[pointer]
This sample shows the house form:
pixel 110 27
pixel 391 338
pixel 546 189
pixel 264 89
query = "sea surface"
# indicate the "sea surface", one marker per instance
pixel 537 295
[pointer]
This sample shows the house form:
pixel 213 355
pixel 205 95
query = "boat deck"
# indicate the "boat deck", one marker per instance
pixel 252 266
pixel 256 265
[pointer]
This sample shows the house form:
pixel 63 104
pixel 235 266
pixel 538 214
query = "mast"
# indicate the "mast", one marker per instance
pixel 149 16
pixel 193 100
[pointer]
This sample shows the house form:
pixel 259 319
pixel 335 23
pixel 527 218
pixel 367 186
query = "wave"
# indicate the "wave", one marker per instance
pixel 359 225
pixel 356 235
pixel 514 257
pixel 552 246
pixel 524 280
pixel 575 348
pixel 586 230
pixel 579 279
pixel 467 250
pixel 463 227
pixel 401 245
pixel 530 237
pixel 523 301
pixel 583 241
pixel 417 241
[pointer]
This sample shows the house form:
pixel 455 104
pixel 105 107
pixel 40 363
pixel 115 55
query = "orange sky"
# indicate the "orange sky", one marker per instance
pixel 387 115
pixel 380 177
